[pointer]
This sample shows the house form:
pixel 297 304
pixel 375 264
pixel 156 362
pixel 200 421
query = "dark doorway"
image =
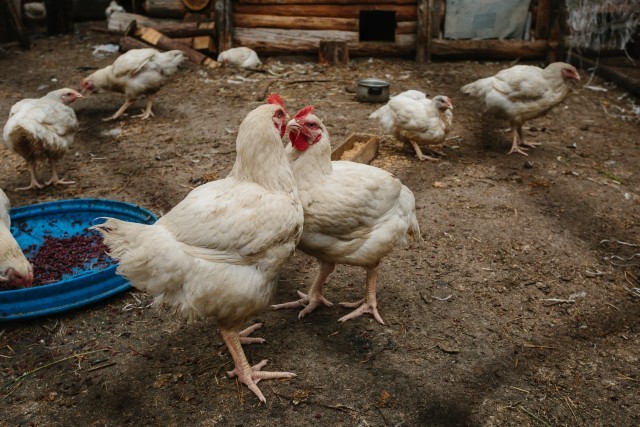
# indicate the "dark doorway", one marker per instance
pixel 377 26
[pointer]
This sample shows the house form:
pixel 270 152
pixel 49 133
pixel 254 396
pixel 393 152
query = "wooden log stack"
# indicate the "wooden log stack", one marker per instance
pixel 194 37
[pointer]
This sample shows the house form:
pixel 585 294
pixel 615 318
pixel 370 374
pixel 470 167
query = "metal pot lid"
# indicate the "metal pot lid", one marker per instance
pixel 373 83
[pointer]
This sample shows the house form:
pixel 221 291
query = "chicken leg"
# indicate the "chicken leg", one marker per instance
pixel 314 298
pixel 147 111
pixel 34 181
pixel 248 375
pixel 419 154
pixel 54 176
pixel 246 339
pixel 369 303
pixel 517 136
pixel 120 112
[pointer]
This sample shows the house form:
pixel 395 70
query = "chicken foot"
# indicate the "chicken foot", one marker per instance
pixel 519 141
pixel 34 181
pixel 315 297
pixel 120 111
pixel 369 303
pixel 147 111
pixel 248 375
pixel 54 180
pixel 419 153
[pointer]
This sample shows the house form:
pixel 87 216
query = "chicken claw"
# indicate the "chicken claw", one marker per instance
pixel 246 374
pixel 363 307
pixel 244 335
pixel 315 298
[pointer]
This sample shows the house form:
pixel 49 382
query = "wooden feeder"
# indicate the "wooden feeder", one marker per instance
pixel 358 147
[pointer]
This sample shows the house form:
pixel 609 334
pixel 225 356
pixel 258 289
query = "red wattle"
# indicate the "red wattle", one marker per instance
pixel 299 141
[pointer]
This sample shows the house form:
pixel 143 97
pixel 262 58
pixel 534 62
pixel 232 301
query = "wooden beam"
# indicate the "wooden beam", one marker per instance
pixel 495 49
pixel 422 32
pixel 165 8
pixel 621 79
pixel 119 22
pixel 128 43
pixel 158 39
pixel 403 12
pixel 274 40
pixel 542 19
pixel 295 22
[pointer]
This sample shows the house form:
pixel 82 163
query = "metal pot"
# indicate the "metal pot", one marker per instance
pixel 372 90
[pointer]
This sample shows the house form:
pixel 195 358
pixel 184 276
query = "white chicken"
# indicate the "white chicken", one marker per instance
pixel 219 252
pixel 112 8
pixel 15 270
pixel 521 93
pixel 42 129
pixel 242 57
pixel 411 117
pixel 136 73
pixel 354 213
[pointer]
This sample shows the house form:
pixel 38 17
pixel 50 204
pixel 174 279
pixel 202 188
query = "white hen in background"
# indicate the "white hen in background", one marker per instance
pixel 521 93
pixel 42 129
pixel 242 57
pixel 15 270
pixel 218 253
pixel 354 214
pixel 136 73
pixel 412 117
pixel 112 8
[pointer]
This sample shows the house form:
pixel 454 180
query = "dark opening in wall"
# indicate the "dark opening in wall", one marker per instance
pixel 377 26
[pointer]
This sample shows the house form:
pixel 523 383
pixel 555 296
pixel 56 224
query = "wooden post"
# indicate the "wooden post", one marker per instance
pixel 16 22
pixel 429 28
pixel 223 32
pixel 333 53
pixel 59 16
pixel 421 31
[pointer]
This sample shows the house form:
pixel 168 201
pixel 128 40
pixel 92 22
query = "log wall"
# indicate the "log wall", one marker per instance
pixel 298 26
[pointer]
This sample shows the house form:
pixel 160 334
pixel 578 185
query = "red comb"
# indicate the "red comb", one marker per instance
pixel 304 112
pixel 274 98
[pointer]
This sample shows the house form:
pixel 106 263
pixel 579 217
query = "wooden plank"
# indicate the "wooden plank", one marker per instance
pixel 422 32
pixel 542 19
pixel 294 22
pixel 495 49
pixel 403 12
pixel 158 39
pixel 119 21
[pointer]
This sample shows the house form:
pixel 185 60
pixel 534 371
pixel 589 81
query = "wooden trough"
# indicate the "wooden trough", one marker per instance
pixel 358 147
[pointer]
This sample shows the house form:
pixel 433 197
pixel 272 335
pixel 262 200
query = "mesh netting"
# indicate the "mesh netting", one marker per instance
pixel 602 24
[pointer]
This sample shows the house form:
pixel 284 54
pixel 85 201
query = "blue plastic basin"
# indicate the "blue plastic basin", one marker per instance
pixel 64 218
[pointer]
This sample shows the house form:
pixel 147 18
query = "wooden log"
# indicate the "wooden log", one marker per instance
pixel 406 27
pixel 165 8
pixel 195 5
pixel 273 41
pixel 429 23
pixel 119 22
pixel 333 53
pixel 294 22
pixel 621 79
pixel 494 49
pixel 422 32
pixel 156 38
pixel 128 43
pixel 187 41
pixel 403 12
pixel 348 2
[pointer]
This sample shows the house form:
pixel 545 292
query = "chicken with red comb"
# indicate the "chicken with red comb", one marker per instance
pixel 354 214
pixel 218 253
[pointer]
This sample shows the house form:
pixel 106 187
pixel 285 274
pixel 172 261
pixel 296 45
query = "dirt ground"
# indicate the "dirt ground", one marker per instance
pixel 511 312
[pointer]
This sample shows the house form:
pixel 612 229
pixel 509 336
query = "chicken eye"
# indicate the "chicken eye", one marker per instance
pixel 280 114
pixel 312 125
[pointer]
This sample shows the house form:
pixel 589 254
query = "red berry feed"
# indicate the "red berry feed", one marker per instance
pixel 58 257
